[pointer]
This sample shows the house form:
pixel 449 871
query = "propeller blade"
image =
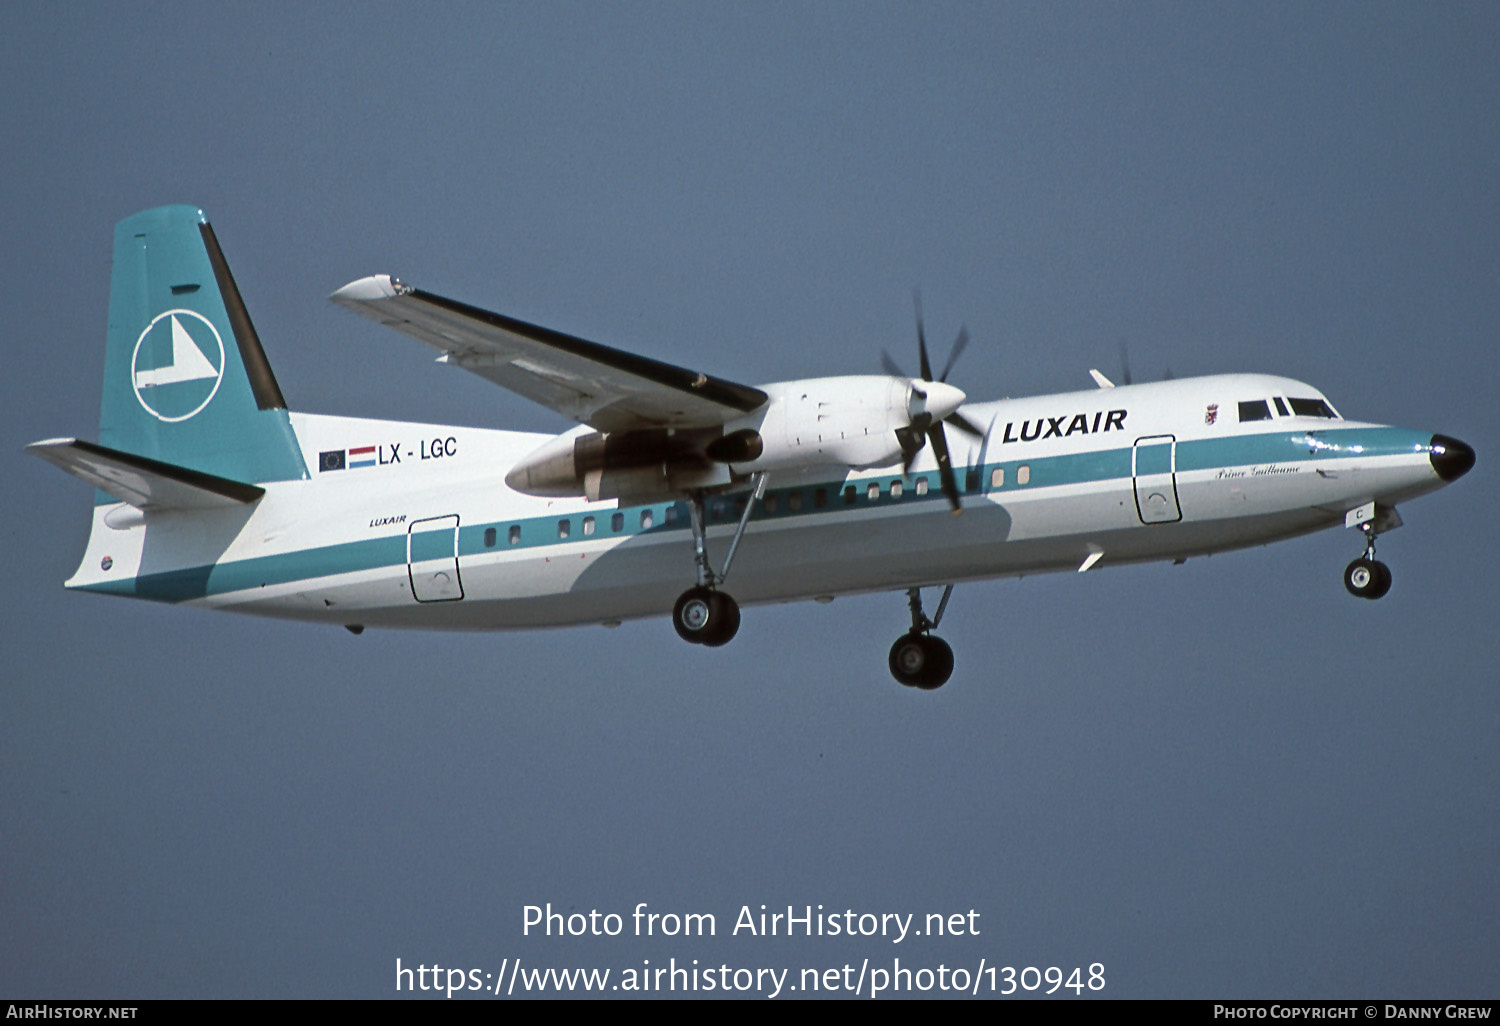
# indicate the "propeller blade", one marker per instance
pixel 890 366
pixel 984 443
pixel 922 338
pixel 911 440
pixel 965 425
pixel 945 467
pixel 958 347
pixel 1124 364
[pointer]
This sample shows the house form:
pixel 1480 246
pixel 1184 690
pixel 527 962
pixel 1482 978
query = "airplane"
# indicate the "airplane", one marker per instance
pixel 212 493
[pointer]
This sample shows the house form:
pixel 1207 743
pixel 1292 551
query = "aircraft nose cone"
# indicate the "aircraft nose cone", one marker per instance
pixel 1451 458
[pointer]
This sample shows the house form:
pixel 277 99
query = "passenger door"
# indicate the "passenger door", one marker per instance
pixel 1153 467
pixel 432 559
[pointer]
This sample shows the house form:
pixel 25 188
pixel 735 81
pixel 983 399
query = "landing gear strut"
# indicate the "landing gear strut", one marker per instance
pixel 1367 577
pixel 920 659
pixel 704 615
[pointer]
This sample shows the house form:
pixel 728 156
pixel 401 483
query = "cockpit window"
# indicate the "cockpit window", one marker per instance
pixel 1312 408
pixel 1281 406
pixel 1255 409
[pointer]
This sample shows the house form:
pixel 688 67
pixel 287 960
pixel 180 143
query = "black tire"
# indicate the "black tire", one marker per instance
pixel 921 661
pixel 908 659
pixel 692 613
pixel 703 616
pixel 1367 578
pixel 723 620
pixel 939 664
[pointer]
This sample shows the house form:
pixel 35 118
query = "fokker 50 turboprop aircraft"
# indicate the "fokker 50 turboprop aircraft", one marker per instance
pixel 212 493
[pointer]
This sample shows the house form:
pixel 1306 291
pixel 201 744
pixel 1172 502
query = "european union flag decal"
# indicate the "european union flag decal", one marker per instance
pixel 331 460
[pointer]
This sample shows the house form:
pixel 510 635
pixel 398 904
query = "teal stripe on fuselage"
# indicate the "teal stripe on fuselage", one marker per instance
pixel 262 571
pixel 1299 446
pixel 542 532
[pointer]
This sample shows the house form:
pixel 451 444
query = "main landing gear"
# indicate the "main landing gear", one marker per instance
pixel 704 615
pixel 920 659
pixel 1367 577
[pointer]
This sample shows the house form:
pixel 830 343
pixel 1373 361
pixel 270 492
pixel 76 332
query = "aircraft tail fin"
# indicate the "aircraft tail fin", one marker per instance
pixel 186 381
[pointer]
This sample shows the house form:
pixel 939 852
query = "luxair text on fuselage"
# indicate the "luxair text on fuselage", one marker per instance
pixel 1064 426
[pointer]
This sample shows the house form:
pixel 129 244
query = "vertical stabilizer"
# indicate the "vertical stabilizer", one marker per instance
pixel 186 381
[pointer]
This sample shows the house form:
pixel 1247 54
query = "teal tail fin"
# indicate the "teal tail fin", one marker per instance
pixel 185 379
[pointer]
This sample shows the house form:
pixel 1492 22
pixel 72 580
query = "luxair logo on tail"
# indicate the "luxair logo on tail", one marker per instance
pixel 178 365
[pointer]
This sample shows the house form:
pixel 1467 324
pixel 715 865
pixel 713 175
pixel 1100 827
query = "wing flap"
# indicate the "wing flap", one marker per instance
pixel 145 483
pixel 609 389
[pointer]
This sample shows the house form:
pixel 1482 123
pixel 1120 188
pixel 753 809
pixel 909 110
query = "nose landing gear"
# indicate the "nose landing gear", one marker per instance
pixel 1367 577
pixel 920 659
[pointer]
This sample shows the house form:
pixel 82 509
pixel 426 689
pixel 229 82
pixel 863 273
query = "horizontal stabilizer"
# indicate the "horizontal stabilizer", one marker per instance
pixel 145 483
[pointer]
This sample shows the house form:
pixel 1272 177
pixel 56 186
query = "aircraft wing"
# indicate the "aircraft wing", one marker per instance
pixel 609 389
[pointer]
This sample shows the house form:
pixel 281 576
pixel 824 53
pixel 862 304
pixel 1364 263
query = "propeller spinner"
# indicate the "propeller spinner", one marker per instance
pixel 931 403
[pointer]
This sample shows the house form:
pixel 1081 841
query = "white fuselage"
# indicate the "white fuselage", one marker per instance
pixel 415 526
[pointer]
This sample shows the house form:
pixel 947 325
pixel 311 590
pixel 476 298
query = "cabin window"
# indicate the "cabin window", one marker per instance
pixel 997 477
pixel 873 491
pixel 895 489
pixel 740 502
pixel 588 526
pixel 617 522
pixel 564 528
pixel 489 537
pixel 671 516
pixel 849 495
pixel 716 509
pixel 1281 406
pixel 646 520
pixel 1023 475
pixel 769 502
pixel 820 498
pixel 515 534
pixel 1311 408
pixel 1255 409
pixel 793 501
pixel 921 488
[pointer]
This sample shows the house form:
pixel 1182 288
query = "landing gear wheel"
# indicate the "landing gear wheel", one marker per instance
pixel 1367 578
pixel 723 620
pixel 921 661
pixel 703 616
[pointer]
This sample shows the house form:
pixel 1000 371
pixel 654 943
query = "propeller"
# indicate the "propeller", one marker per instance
pixel 1166 375
pixel 933 401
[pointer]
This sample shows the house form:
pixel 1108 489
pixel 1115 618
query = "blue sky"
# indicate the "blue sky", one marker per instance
pixel 1224 779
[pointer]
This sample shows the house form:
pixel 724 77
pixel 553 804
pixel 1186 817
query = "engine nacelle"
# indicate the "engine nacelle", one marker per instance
pixel 849 422
pixel 846 422
pixel 633 466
